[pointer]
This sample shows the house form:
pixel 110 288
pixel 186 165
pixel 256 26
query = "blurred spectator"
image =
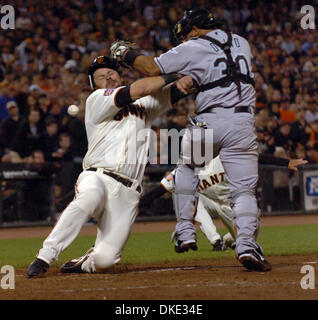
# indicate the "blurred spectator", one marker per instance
pixel 312 112
pixel 6 95
pixel 314 134
pixel 10 125
pixel 282 136
pixel 41 166
pixel 28 137
pixel 312 154
pixel 23 21
pixel 49 138
pixel 299 130
pixel 275 110
pixel 63 151
pixel 59 202
pixel 288 45
pixel 286 114
pixel 300 152
pixel 37 157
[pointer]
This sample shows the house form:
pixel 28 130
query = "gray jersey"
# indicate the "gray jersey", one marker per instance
pixel 206 62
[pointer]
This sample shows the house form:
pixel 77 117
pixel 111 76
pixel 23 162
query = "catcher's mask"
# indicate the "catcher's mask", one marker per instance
pixel 98 63
pixel 200 18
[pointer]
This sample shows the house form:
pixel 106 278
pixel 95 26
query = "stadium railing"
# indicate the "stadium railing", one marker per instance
pixel 29 199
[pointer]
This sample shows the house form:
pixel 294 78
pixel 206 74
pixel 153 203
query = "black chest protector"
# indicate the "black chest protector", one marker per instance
pixel 232 72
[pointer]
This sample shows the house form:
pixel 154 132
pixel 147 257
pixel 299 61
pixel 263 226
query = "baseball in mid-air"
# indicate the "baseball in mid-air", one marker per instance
pixel 73 110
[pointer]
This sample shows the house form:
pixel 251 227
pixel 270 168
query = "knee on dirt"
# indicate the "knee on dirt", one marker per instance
pixel 105 256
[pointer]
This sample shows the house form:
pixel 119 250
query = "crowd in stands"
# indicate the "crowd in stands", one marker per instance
pixel 43 64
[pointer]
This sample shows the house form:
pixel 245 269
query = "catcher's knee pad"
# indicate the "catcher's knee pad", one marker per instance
pixel 246 213
pixel 105 256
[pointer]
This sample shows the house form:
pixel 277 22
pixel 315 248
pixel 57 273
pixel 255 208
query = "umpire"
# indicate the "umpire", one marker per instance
pixel 220 63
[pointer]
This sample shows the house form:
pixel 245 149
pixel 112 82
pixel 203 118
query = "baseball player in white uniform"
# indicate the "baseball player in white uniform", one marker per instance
pixel 213 199
pixel 109 187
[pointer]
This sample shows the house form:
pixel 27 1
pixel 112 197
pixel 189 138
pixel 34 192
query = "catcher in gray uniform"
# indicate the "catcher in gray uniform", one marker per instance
pixel 220 63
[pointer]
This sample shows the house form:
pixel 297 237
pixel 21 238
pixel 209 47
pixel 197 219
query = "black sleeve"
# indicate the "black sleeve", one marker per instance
pixel 269 159
pixel 176 94
pixel 123 97
pixel 152 195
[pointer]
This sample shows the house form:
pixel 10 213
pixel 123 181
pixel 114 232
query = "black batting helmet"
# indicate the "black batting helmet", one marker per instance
pixel 98 63
pixel 200 18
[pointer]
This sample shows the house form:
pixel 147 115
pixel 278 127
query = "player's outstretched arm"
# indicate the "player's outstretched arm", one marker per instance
pixel 166 185
pixel 146 65
pixel 147 86
pixel 292 164
pixel 123 52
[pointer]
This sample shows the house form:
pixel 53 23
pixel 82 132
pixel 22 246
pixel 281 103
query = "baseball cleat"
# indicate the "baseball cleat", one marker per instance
pixel 75 265
pixel 37 268
pixel 184 246
pixel 228 242
pixel 218 245
pixel 253 260
pixel 226 245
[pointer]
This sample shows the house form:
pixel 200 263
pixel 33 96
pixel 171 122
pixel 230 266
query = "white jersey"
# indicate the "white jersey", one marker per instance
pixel 213 182
pixel 118 138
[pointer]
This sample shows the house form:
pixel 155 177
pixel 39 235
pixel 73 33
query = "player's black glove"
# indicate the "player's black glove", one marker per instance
pixel 123 52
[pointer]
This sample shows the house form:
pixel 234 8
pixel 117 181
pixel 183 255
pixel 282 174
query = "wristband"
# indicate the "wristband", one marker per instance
pixel 169 77
pixel 130 57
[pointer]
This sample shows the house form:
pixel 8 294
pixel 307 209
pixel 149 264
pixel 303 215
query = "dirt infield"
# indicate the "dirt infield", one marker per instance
pixel 208 279
pixel 199 280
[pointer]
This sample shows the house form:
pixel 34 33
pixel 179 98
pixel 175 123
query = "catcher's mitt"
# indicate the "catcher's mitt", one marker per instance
pixel 118 51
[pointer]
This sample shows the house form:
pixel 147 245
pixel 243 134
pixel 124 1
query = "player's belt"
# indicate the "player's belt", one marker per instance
pixel 242 109
pixel 127 183
pixel 239 109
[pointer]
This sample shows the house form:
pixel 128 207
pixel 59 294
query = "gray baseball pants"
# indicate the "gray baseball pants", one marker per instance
pixel 235 140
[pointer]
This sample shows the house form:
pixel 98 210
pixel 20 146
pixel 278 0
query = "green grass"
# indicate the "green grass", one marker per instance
pixel 156 247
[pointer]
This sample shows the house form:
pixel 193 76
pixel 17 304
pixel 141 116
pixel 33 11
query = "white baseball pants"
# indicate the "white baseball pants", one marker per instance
pixel 206 223
pixel 112 204
pixel 206 208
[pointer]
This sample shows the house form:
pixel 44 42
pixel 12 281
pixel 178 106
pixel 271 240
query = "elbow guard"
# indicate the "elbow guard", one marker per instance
pixel 123 97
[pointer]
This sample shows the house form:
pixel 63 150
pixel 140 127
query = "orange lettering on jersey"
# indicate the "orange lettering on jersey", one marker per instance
pixel 133 109
pixel 214 179
pixel 205 184
pixel 221 174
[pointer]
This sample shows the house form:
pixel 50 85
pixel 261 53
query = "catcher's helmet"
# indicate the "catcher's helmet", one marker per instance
pixel 98 63
pixel 200 18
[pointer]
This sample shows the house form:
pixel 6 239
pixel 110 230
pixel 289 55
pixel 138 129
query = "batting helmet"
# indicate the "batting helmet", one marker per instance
pixel 98 63
pixel 200 18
